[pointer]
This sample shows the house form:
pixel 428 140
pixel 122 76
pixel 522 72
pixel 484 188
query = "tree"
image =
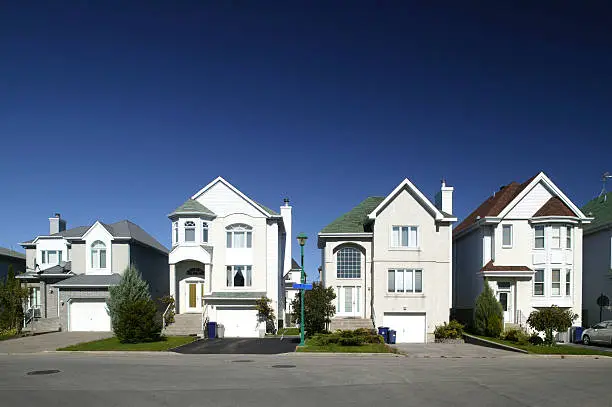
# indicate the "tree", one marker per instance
pixel 318 308
pixel 133 313
pixel 551 319
pixel 13 296
pixel 488 314
pixel 265 313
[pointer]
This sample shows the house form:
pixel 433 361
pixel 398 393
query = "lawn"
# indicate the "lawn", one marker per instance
pixel 113 344
pixel 333 347
pixel 551 350
pixel 5 336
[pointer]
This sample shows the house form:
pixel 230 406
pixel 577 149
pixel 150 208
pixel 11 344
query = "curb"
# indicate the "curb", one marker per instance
pixel 110 352
pixel 351 354
pixel 490 344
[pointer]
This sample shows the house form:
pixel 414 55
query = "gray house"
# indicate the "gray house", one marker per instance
pixel 10 257
pixel 69 271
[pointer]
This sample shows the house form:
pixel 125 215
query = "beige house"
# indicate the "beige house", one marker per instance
pixel 389 261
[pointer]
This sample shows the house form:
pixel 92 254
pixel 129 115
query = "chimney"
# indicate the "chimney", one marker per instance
pixel 56 224
pixel 285 211
pixel 444 198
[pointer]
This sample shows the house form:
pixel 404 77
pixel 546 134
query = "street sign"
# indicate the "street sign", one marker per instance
pixel 298 286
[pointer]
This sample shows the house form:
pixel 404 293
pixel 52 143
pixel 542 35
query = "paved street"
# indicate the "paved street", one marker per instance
pixel 50 341
pixel 446 350
pixel 301 380
pixel 261 346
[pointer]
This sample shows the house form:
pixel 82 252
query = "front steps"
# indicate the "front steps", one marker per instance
pixel 185 324
pixel 40 325
pixel 350 324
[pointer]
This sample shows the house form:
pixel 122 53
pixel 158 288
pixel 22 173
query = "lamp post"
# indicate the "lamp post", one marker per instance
pixel 302 241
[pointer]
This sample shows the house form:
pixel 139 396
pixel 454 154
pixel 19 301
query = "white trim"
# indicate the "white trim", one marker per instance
pixel 556 219
pixel 506 273
pixel 94 225
pixel 230 186
pixel 358 234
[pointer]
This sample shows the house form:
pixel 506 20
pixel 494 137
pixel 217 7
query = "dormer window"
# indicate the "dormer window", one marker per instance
pixel 239 236
pixel 98 255
pixel 190 228
pixel 204 232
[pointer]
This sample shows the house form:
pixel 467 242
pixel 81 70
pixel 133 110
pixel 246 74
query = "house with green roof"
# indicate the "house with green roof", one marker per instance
pixel 389 261
pixel 597 267
pixel 228 251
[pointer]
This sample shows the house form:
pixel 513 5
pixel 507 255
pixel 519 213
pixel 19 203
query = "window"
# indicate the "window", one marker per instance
pixel 404 236
pixel 538 282
pixel 43 257
pixel 507 236
pixel 175 232
pixel 239 276
pixel 204 232
pixel 404 281
pixel 98 255
pixel 568 283
pixel 556 237
pixel 539 237
pixel 51 256
pixel 348 263
pixel 34 297
pixel 556 282
pixel 239 237
pixel 190 231
pixel 568 237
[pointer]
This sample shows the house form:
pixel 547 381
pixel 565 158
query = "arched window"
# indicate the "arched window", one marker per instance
pixel 195 271
pixel 98 255
pixel 348 263
pixel 204 232
pixel 239 236
pixel 190 231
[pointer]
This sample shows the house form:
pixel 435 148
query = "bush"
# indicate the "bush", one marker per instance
pixel 452 330
pixel 318 308
pixel 551 319
pixel 536 339
pixel 138 322
pixel 265 313
pixel 357 337
pixel 488 315
pixel 516 335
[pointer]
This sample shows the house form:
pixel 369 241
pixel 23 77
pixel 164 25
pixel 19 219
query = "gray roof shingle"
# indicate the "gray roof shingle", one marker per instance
pixel 192 206
pixel 84 280
pixel 11 253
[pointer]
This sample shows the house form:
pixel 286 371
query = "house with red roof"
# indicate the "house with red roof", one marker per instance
pixel 525 241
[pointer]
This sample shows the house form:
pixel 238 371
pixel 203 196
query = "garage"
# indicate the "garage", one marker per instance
pixel 89 315
pixel 238 322
pixel 410 327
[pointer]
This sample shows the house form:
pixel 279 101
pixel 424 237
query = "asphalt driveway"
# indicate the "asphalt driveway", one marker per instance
pixel 49 342
pixel 243 346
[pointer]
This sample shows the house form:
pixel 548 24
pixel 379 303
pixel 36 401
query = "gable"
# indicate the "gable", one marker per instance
pixel 529 205
pixel 223 201
pixel 404 209
pixel 98 231
pixel 554 207
pixel 408 186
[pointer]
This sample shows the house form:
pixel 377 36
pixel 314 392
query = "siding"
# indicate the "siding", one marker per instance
pixel 530 204
pixel 223 201
pixel 153 265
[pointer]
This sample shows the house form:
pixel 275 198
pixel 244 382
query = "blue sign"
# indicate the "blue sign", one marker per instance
pixel 302 286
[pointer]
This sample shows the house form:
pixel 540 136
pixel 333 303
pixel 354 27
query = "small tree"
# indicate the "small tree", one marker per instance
pixel 13 296
pixel 318 308
pixel 551 319
pixel 265 313
pixel 488 314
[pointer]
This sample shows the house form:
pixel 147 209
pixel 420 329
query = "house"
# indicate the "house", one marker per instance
pixel 526 241
pixel 227 252
pixel 294 275
pixel 9 257
pixel 389 262
pixel 597 268
pixel 69 272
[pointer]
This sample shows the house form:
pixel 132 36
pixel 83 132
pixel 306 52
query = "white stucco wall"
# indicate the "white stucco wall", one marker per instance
pixel 596 274
pixel 98 232
pixel 58 244
pixel 467 263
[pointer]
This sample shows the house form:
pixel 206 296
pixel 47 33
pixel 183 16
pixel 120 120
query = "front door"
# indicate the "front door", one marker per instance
pixel 504 296
pixel 193 296
pixel 348 301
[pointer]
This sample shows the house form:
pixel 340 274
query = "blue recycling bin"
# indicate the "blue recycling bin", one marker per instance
pixel 392 336
pixel 211 330
pixel 578 334
pixel 384 332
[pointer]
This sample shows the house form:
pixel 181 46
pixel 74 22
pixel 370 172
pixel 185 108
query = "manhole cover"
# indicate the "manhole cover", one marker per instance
pixel 42 372
pixel 242 361
pixel 283 366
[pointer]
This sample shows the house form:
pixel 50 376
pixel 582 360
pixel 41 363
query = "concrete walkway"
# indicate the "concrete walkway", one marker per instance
pixel 444 350
pixel 49 342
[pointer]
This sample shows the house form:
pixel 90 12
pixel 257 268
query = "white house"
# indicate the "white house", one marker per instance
pixel 227 252
pixel 526 241
pixel 389 261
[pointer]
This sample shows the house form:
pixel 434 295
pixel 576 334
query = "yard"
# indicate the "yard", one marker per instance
pixel 337 348
pixel 549 350
pixel 113 344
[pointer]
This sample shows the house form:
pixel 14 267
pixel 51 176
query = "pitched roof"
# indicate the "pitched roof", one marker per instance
pixel 265 208
pixel 601 208
pixel 11 253
pixel 87 280
pixel 355 220
pixel 493 205
pixel 554 207
pixel 64 268
pixel 492 267
pixel 295 265
pixel 192 206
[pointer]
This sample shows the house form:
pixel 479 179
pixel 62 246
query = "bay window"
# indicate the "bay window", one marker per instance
pixel 175 232
pixel 190 231
pixel 404 236
pixel 568 283
pixel 538 283
pixel 539 237
pixel 556 282
pixel 404 281
pixel 204 232
pixel 568 237
pixel 239 276
pixel 556 237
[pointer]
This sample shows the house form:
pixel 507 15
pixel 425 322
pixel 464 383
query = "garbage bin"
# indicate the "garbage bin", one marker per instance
pixel 384 332
pixel 392 336
pixel 220 331
pixel 578 334
pixel 211 330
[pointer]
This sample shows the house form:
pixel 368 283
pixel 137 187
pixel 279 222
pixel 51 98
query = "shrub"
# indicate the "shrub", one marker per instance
pixel 265 313
pixel 488 315
pixel 12 297
pixel 515 335
pixel 451 330
pixel 138 322
pixel 536 339
pixel 347 338
pixel 318 308
pixel 551 319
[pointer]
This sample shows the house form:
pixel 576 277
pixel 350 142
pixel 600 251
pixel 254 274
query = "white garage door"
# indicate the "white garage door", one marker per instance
pixel 89 316
pixel 238 322
pixel 410 328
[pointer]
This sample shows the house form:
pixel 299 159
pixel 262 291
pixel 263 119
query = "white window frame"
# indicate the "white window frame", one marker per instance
pixel 568 237
pixel 175 232
pixel 553 282
pixel 96 255
pixel 231 272
pixel 409 279
pixel 353 276
pixel 536 237
pixel 34 297
pixel 44 256
pixel 191 226
pixel 204 232
pixel 233 230
pixel 568 283
pixel 543 283
pixel 555 241
pixel 508 246
pixel 409 244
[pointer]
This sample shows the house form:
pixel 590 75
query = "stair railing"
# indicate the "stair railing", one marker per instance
pixel 165 315
pixel 204 317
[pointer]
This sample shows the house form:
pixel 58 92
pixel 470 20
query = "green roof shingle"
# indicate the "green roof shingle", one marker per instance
pixel 354 221
pixel 601 209
pixel 192 206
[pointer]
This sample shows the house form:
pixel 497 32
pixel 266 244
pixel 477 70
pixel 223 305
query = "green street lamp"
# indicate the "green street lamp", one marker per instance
pixel 302 241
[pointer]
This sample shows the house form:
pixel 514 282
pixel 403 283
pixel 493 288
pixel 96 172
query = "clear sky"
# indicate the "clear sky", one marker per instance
pixel 114 110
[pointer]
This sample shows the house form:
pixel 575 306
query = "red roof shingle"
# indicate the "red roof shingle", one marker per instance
pixel 492 267
pixel 554 207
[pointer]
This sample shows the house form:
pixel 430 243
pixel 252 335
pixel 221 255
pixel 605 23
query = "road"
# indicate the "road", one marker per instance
pixel 301 380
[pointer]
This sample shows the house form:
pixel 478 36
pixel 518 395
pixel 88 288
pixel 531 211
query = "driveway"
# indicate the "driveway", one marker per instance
pixel 445 350
pixel 253 346
pixel 49 342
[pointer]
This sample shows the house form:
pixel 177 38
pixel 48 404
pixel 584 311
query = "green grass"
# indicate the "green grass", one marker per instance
pixel 367 348
pixel 4 337
pixel 289 331
pixel 113 344
pixel 550 350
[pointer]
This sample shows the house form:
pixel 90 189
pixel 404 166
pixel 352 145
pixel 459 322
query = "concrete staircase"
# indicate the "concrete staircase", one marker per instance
pixel 350 323
pixel 39 325
pixel 185 324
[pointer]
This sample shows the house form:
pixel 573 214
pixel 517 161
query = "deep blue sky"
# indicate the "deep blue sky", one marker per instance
pixel 111 111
